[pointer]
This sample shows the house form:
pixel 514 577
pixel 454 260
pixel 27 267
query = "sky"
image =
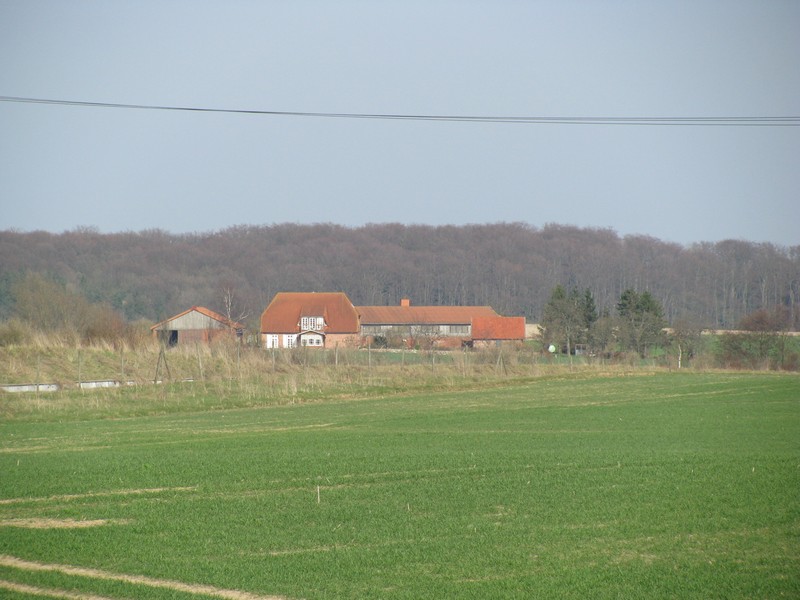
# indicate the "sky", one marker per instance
pixel 126 169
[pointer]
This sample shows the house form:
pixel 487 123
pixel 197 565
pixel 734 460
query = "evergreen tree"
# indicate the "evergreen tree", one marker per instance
pixel 568 317
pixel 641 320
pixel 589 309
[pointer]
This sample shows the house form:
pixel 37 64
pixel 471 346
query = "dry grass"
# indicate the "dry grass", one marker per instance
pixel 224 375
pixel 62 360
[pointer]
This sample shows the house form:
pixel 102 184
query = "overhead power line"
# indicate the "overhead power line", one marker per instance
pixel 740 121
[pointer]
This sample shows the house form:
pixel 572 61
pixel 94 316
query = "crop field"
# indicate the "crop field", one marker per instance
pixel 652 485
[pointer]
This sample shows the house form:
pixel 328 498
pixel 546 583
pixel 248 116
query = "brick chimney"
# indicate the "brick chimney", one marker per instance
pixel 405 302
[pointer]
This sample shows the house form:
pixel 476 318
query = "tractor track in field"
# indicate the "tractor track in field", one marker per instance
pixel 89 573
pixel 42 523
pixel 32 590
pixel 131 492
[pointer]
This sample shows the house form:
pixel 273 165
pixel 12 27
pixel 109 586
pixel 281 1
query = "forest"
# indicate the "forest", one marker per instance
pixel 513 267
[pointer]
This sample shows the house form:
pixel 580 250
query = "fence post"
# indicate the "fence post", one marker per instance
pixel 199 362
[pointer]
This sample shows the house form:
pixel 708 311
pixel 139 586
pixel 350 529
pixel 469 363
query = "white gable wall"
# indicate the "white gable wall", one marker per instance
pixel 192 320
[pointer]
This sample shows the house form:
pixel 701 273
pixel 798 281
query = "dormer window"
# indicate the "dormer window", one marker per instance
pixel 311 323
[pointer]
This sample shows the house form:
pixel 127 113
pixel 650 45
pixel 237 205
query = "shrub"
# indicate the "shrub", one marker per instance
pixel 757 350
pixel 13 333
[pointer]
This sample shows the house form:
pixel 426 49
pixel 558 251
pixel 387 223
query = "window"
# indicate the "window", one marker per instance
pixel 311 323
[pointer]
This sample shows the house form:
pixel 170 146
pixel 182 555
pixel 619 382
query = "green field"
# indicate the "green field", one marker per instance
pixel 657 485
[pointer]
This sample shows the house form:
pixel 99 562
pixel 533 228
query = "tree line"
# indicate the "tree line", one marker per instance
pixel 571 319
pixel 513 267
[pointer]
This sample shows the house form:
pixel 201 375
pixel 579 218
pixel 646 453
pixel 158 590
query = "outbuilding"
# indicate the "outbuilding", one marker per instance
pixel 496 330
pixel 429 326
pixel 196 325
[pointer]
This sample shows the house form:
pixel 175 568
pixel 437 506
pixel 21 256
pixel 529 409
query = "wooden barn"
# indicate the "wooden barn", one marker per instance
pixel 196 325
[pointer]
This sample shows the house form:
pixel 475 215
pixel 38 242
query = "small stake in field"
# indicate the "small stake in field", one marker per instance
pixel 317 494
pixel 199 361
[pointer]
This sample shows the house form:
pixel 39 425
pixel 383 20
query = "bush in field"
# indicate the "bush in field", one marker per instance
pixel 46 304
pixel 684 341
pixel 43 305
pixel 760 343
pixel 380 341
pixel 739 351
pixel 104 323
pixel 12 333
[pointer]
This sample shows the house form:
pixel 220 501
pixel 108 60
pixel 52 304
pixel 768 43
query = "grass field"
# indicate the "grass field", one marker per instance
pixel 658 485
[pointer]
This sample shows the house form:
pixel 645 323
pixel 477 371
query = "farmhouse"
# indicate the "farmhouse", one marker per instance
pixel 198 324
pixel 327 319
pixel 309 319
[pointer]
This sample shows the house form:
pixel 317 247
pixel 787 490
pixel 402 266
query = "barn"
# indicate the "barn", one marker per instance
pixel 196 325
pixel 440 326
pixel 496 331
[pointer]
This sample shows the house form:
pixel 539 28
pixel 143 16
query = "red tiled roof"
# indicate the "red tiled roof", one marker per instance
pixel 498 328
pixel 203 311
pixel 422 315
pixel 284 312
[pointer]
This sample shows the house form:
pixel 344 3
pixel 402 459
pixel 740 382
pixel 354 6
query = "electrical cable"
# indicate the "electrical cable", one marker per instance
pixel 739 121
